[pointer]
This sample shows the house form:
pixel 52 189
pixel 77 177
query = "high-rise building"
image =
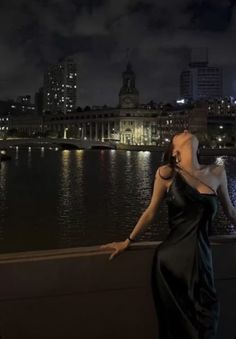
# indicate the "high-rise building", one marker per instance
pixel 201 81
pixel 38 101
pixel 60 87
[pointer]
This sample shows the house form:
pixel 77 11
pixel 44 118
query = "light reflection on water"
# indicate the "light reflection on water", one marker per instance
pixel 2 198
pixel 52 199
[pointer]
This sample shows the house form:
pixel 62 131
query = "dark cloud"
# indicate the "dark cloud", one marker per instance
pixel 97 34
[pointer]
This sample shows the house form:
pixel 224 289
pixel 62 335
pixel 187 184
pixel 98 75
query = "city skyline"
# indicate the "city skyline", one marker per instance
pixel 97 35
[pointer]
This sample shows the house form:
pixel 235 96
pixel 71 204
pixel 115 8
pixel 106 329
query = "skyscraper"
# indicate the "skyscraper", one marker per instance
pixel 60 86
pixel 39 101
pixel 201 81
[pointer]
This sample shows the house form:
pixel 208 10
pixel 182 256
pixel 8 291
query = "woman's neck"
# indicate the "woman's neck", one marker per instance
pixel 189 160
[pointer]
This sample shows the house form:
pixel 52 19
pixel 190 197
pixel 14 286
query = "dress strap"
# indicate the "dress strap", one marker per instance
pixel 193 176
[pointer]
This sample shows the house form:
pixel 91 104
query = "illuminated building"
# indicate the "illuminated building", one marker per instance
pixel 60 87
pixel 201 81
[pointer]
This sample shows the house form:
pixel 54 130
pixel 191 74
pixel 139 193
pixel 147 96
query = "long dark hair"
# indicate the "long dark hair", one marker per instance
pixel 167 157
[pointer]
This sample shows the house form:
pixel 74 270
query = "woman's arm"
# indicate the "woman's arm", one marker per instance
pixel 159 191
pixel 225 200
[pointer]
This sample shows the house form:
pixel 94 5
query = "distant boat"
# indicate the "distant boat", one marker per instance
pixel 4 156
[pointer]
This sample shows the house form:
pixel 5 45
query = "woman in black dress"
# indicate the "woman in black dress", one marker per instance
pixel 182 274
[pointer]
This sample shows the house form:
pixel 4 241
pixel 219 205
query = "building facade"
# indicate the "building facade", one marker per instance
pixel 213 121
pixel 60 87
pixel 129 123
pixel 201 82
pixel 39 101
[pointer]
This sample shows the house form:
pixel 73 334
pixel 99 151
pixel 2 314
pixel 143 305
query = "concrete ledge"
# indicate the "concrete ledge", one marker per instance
pixel 79 293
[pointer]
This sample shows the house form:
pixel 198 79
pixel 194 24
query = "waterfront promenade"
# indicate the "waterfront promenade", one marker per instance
pixel 78 293
pixel 89 144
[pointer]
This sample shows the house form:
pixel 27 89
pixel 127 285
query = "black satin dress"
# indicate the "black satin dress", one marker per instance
pixel 182 273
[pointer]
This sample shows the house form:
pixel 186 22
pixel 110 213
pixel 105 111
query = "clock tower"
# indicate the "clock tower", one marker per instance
pixel 129 95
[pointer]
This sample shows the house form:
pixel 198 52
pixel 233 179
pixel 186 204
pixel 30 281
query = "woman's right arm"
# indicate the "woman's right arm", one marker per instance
pixel 159 191
pixel 228 207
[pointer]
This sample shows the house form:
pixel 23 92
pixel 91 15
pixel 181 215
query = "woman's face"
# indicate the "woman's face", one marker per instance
pixel 182 138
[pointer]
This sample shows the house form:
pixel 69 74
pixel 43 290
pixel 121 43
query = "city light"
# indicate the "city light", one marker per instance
pixel 180 101
pixel 220 161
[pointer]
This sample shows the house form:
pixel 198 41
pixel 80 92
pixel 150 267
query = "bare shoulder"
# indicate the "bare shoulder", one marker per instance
pixel 165 171
pixel 217 169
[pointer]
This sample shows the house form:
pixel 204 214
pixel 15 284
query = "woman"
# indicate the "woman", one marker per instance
pixel 182 273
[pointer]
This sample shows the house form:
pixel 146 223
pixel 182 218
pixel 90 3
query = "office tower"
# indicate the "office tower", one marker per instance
pixel 38 101
pixel 201 80
pixel 60 87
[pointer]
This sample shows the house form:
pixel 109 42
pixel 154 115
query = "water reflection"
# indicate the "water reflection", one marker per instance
pixel 65 194
pixel 29 157
pixel 220 160
pixel 3 190
pixel 84 197
pixel 17 155
pixel 42 154
pixel 231 178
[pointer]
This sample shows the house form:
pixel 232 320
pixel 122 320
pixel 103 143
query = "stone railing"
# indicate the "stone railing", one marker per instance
pixel 78 293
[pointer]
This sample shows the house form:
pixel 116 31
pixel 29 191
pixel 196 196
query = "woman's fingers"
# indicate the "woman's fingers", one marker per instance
pixel 118 248
pixel 113 254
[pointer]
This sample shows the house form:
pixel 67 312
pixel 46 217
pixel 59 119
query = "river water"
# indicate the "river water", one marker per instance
pixel 57 199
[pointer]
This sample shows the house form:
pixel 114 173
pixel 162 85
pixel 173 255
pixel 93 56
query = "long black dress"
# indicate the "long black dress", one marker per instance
pixel 182 275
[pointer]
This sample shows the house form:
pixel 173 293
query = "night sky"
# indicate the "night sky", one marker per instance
pixel 97 33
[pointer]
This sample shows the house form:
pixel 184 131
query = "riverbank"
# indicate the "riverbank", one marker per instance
pixel 79 144
pixel 153 148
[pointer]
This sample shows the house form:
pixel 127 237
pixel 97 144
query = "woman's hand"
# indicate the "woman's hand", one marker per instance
pixel 118 247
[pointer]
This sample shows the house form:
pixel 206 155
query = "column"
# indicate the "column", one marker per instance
pixel 102 131
pixel 90 130
pixel 96 130
pixel 108 130
pixel 83 131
